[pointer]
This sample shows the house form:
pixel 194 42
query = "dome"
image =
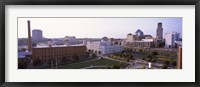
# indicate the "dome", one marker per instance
pixel 139 32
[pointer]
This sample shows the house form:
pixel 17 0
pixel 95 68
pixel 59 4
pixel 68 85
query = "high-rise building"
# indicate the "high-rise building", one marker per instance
pixel 37 35
pixel 170 39
pixel 159 31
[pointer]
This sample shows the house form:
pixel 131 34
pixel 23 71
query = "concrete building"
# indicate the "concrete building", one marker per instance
pixel 138 40
pixel 144 43
pixel 139 35
pixel 37 35
pixel 130 37
pixel 103 47
pixel 159 31
pixel 170 39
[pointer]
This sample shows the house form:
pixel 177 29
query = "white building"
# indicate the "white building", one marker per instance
pixel 170 39
pixel 37 35
pixel 71 40
pixel 103 47
pixel 144 43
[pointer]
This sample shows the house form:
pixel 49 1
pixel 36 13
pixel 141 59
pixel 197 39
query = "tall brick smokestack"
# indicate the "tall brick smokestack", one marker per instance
pixel 29 37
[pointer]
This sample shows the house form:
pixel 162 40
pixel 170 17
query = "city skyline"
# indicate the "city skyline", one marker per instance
pixel 97 27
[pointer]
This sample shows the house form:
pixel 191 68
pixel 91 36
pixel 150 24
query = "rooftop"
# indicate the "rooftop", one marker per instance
pixel 23 54
pixel 58 46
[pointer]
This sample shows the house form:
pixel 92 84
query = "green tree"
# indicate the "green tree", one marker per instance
pixel 22 65
pixel 140 50
pixel 94 55
pixel 173 63
pixel 87 54
pixel 166 62
pixel 116 66
pixel 154 53
pixel 127 59
pixel 108 67
pixel 164 66
pixel 149 56
pixel 99 52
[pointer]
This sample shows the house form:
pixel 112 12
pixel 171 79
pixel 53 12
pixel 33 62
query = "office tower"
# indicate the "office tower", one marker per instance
pixel 159 31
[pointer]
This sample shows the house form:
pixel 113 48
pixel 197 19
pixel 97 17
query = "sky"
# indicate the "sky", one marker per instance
pixel 97 27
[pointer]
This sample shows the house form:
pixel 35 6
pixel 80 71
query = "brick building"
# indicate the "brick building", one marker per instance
pixel 44 53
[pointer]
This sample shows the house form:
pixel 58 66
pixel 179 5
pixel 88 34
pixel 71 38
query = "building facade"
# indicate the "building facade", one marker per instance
pixel 104 46
pixel 159 31
pixel 145 43
pixel 44 53
pixel 170 39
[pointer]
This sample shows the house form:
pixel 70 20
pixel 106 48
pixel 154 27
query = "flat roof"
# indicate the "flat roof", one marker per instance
pixel 58 46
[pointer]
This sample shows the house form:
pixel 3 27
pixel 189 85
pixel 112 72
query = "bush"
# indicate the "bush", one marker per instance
pixel 94 55
pixel 164 66
pixel 22 65
pixel 155 53
pixel 116 66
pixel 108 67
pixel 166 62
pixel 173 63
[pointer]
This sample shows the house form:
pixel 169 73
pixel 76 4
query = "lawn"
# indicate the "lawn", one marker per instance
pixel 100 62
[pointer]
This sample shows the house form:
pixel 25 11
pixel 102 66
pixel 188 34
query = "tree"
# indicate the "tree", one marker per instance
pixel 155 53
pixel 149 56
pixel 94 55
pixel 116 66
pixel 87 54
pixel 116 43
pixel 89 50
pixel 22 65
pixel 164 66
pixel 99 52
pixel 166 62
pixel 140 50
pixel 173 63
pixel 127 59
pixel 153 60
pixel 108 67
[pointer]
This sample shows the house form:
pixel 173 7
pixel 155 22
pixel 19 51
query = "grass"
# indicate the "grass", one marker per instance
pixel 100 62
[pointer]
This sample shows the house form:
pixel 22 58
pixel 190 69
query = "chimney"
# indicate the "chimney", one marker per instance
pixel 29 37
